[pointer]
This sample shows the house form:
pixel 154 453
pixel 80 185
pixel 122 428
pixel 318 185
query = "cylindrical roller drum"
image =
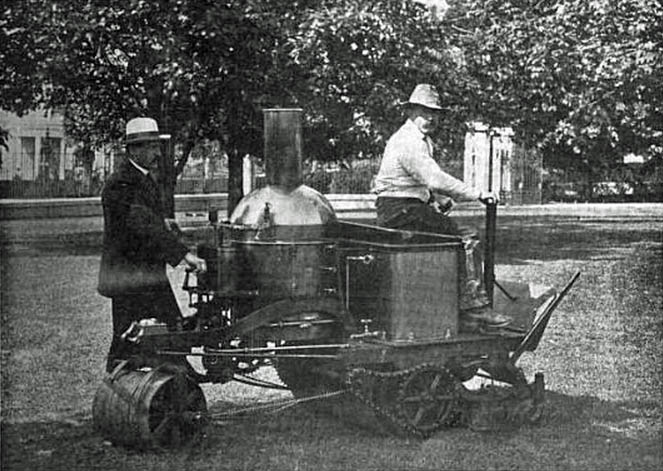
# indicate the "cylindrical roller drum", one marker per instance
pixel 148 408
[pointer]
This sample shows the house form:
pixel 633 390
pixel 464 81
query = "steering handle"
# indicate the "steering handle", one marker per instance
pixel 489 200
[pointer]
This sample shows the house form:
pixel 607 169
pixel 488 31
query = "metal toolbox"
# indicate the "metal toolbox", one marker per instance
pixel 407 288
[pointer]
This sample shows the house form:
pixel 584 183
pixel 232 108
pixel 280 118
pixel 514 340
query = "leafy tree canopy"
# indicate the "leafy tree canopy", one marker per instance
pixel 204 68
pixel 581 80
pixel 190 64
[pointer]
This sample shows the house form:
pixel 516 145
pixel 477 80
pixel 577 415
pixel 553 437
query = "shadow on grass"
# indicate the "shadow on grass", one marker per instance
pixel 577 432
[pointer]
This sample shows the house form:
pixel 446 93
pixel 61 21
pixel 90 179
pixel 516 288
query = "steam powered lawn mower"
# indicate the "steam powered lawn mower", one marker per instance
pixel 338 309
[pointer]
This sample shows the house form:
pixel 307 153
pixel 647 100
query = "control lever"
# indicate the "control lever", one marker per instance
pixel 366 259
pixel 367 333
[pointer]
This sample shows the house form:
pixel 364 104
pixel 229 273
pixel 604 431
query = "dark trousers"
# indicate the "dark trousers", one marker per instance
pixel 412 214
pixel 126 309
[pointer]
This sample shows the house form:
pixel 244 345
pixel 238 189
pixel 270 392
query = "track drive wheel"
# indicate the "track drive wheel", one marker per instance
pixel 427 398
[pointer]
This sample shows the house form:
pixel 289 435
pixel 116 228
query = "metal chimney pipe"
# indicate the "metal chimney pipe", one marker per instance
pixel 283 147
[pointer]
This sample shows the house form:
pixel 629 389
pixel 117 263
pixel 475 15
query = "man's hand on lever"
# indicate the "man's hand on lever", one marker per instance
pixel 488 197
pixel 443 204
pixel 195 263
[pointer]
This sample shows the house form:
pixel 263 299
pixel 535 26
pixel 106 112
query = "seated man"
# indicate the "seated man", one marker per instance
pixel 406 182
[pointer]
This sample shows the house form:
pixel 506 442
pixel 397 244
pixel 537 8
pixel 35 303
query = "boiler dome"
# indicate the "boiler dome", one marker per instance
pixel 302 206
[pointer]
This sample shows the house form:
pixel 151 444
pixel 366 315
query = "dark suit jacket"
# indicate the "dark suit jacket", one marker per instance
pixel 137 245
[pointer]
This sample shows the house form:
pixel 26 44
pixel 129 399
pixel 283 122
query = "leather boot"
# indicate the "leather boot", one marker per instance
pixel 487 316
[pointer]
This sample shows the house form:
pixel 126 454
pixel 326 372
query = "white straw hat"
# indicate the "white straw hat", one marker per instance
pixel 426 95
pixel 143 130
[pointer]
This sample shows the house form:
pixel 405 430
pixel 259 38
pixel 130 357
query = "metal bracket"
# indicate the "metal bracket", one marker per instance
pixel 366 259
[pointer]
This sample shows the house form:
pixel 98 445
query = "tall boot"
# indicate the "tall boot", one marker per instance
pixel 475 311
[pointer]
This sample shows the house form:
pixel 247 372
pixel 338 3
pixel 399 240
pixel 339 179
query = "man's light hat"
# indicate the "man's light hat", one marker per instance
pixel 426 95
pixel 143 130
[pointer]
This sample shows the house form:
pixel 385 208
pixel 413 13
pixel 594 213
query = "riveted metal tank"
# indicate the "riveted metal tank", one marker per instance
pixel 279 230
pixel 285 201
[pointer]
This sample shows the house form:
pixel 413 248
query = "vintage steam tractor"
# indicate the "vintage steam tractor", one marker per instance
pixel 336 308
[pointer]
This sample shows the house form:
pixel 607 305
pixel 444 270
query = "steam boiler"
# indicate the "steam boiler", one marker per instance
pixel 335 307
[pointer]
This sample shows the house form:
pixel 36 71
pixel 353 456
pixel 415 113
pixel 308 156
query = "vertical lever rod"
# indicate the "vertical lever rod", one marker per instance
pixel 491 218
pixel 489 251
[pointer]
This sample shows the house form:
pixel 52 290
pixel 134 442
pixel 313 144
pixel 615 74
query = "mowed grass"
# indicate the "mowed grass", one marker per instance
pixel 601 356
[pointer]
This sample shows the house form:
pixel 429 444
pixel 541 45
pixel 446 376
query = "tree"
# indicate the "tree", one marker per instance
pixel 204 68
pixel 195 66
pixel 580 80
pixel 356 61
pixel 4 136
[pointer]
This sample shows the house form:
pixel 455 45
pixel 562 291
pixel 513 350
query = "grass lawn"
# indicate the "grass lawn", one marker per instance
pixel 601 356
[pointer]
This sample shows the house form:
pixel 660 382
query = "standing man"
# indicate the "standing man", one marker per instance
pixel 406 184
pixel 138 241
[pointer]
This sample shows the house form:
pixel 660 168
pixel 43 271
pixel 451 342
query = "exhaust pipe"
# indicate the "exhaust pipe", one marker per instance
pixel 283 147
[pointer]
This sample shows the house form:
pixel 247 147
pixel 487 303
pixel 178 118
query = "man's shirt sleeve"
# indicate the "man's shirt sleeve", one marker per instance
pixel 416 160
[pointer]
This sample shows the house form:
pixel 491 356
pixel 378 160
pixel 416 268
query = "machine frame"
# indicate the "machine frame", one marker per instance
pixel 291 304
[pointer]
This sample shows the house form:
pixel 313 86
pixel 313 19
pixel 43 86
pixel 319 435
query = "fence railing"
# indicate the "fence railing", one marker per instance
pixel 354 179
pixel 68 187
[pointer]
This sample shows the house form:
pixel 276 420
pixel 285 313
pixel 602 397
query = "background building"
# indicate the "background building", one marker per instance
pixel 37 146
pixel 41 161
pixel 516 172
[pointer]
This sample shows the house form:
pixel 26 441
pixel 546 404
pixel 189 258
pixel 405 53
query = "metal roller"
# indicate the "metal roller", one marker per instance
pixel 147 409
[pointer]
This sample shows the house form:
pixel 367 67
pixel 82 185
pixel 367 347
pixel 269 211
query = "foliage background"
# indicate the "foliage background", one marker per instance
pixel 580 81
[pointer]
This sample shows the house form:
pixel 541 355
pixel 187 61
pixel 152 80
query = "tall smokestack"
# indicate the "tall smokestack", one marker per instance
pixel 283 147
pixel 284 208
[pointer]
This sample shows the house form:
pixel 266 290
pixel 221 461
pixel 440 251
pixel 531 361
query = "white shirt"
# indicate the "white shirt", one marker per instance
pixel 408 169
pixel 142 170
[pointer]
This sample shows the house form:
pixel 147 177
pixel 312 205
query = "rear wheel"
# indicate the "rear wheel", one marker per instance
pixel 299 369
pixel 306 376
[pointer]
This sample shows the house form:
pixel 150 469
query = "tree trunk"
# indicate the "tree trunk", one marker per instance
pixel 168 179
pixel 235 192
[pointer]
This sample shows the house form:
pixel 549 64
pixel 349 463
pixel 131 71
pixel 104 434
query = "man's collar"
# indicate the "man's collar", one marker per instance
pixel 142 170
pixel 412 127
